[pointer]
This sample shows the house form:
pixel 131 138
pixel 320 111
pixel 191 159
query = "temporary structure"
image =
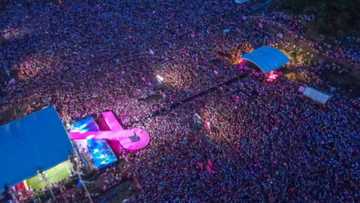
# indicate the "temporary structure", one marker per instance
pixel 267 58
pixel 34 143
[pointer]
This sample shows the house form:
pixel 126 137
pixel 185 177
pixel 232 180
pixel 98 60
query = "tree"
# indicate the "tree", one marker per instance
pixel 336 17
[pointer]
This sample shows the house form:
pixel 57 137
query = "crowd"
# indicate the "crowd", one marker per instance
pixel 97 182
pixel 252 140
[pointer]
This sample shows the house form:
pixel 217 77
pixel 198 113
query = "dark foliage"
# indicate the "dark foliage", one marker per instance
pixel 335 17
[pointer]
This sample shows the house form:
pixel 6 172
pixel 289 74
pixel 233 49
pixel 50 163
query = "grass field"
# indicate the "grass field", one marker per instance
pixel 54 175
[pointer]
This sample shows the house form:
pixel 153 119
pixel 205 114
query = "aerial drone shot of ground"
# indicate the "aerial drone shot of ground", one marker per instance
pixel 221 130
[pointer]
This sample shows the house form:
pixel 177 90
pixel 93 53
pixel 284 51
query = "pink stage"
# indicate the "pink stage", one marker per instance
pixel 120 140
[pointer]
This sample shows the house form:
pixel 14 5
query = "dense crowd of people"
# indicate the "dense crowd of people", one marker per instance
pixel 250 139
pixel 97 182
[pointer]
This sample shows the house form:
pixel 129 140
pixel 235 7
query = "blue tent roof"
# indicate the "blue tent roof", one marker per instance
pixel 35 142
pixel 267 58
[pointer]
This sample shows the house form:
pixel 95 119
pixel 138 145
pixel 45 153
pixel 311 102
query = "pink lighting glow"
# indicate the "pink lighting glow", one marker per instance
pixel 241 61
pixel 241 64
pixel 272 76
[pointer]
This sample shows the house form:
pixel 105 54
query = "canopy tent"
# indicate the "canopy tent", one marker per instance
pixel 315 94
pixel 267 58
pixel 35 142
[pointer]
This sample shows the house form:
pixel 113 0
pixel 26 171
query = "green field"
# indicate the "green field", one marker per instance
pixel 54 175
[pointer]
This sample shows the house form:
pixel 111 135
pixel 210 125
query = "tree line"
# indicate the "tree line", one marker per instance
pixel 334 17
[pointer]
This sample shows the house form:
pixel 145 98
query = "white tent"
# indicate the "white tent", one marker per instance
pixel 315 94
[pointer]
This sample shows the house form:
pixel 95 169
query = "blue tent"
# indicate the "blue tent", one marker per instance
pixel 35 142
pixel 267 58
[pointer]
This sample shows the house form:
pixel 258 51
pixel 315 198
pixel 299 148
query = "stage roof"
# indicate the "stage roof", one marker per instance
pixel 35 142
pixel 267 58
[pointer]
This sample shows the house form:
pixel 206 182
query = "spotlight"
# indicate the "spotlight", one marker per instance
pixel 159 78
pixel 272 76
